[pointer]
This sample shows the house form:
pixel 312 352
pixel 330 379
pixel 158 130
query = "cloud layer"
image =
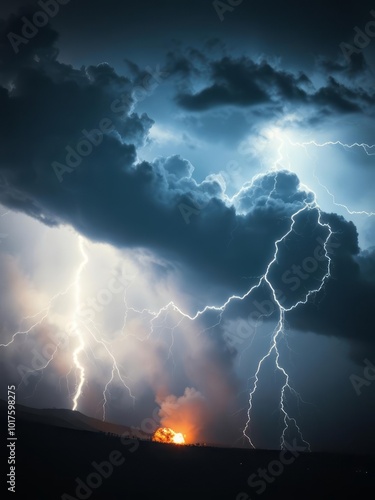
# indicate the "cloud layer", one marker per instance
pixel 107 193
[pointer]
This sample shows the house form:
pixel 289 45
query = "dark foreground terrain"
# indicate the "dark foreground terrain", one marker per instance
pixel 60 462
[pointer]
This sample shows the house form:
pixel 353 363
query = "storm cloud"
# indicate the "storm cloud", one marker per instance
pixel 111 195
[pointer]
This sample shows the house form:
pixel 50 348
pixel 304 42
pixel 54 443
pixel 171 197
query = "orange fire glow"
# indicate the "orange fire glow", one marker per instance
pixel 168 435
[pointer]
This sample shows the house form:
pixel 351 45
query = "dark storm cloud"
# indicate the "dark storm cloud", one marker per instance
pixel 244 83
pixel 186 64
pixel 341 99
pixel 346 307
pixel 319 27
pixel 357 66
pixel 366 263
pixel 110 196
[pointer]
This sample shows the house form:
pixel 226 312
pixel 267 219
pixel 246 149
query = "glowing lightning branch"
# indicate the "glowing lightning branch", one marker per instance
pixel 81 345
pixel 280 327
pixel 369 149
pixel 115 369
pixel 351 212
pixel 45 313
pixel 41 369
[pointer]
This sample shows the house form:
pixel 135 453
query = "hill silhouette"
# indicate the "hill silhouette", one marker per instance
pixel 66 455
pixel 72 420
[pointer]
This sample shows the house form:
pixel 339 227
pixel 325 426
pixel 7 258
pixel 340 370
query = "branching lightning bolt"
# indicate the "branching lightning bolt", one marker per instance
pixel 45 312
pixel 351 212
pixel 279 331
pixel 115 370
pixel 369 149
pixel 81 344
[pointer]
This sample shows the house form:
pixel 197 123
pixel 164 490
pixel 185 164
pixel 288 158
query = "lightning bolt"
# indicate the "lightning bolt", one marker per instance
pixel 43 315
pixel 81 344
pixel 115 370
pixel 279 331
pixel 345 207
pixel 80 328
pixel 369 149
pixel 45 312
pixel 41 369
pixel 83 333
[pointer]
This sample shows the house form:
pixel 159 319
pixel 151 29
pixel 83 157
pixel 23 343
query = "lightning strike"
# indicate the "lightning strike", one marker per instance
pixel 279 331
pixel 45 311
pixel 345 207
pixel 280 327
pixel 36 370
pixel 81 345
pixel 369 149
pixel 115 369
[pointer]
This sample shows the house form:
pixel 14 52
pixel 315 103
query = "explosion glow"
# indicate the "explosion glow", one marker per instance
pixel 167 435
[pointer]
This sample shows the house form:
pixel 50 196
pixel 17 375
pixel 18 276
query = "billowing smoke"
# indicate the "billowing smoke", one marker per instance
pixel 188 414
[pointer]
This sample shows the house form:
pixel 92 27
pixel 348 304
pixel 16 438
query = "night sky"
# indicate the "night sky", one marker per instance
pixel 186 201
